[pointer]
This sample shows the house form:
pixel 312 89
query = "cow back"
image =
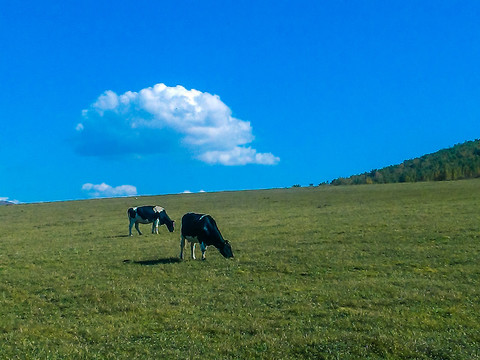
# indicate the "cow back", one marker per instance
pixel 203 227
pixel 149 212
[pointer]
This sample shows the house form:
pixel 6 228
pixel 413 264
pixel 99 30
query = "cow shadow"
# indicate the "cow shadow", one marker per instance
pixel 117 236
pixel 165 261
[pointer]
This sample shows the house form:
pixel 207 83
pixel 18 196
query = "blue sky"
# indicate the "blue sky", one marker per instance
pixel 102 98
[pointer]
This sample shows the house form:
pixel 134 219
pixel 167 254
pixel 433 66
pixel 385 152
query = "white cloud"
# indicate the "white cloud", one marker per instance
pixel 160 118
pixel 238 156
pixel 190 192
pixel 105 190
pixel 6 199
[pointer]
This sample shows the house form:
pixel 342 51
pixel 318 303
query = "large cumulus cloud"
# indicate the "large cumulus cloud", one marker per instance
pixel 163 119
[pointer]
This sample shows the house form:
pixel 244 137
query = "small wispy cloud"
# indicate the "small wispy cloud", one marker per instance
pixel 8 200
pixel 238 156
pixel 105 190
pixel 160 119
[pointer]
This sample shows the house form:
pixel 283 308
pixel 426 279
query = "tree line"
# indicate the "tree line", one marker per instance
pixel 461 161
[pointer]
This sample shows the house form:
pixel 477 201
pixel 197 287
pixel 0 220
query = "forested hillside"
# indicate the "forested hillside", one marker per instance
pixel 461 161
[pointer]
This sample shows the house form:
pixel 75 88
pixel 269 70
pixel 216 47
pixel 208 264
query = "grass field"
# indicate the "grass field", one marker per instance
pixel 358 272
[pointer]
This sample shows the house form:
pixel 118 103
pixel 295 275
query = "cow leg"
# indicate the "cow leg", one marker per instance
pixel 130 228
pixel 192 248
pixel 155 227
pixel 182 246
pixel 136 227
pixel 203 248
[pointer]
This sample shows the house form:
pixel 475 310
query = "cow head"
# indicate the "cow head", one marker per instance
pixel 165 219
pixel 170 226
pixel 226 250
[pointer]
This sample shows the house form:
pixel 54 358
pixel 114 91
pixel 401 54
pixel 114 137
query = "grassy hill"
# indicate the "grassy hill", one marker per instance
pixel 461 161
pixel 378 272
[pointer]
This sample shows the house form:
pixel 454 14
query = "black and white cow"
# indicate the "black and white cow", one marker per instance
pixel 149 214
pixel 202 229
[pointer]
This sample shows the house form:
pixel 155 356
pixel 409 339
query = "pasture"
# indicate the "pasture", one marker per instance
pixel 370 272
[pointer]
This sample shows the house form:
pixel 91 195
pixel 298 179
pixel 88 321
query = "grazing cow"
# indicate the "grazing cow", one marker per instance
pixel 201 228
pixel 149 214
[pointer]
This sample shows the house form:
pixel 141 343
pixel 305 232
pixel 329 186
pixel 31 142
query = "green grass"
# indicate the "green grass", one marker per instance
pixel 371 272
